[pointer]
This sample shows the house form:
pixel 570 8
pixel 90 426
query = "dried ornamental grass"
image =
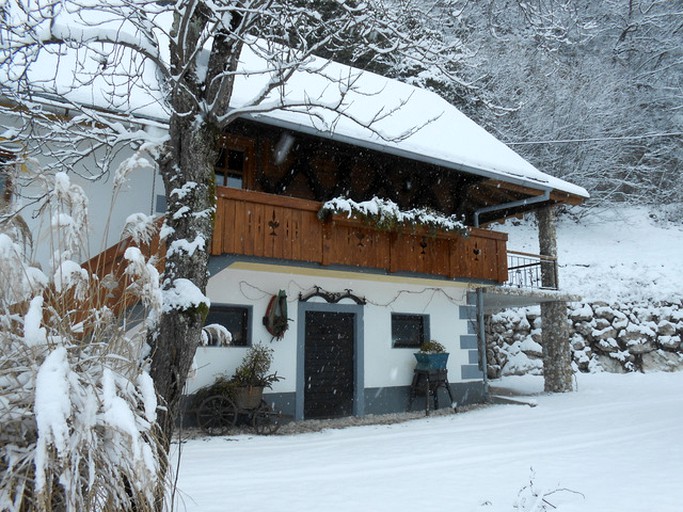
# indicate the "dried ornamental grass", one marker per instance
pixel 77 406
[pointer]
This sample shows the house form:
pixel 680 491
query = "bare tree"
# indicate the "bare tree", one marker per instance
pixel 587 91
pixel 110 64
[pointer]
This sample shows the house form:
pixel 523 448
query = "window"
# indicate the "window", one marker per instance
pixel 236 319
pixel 230 168
pixel 409 331
pixel 161 204
pixel 235 162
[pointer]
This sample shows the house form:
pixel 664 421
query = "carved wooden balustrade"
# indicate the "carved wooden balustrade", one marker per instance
pixel 285 228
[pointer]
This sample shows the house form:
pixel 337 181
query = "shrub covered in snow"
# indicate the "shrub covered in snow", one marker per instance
pixel 77 406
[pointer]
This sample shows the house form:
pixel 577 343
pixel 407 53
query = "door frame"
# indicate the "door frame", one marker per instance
pixel 358 345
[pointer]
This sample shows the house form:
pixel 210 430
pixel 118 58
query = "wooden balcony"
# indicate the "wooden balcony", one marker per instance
pixel 284 228
pixel 112 287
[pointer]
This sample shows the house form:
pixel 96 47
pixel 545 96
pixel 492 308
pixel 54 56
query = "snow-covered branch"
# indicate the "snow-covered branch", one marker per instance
pixel 77 406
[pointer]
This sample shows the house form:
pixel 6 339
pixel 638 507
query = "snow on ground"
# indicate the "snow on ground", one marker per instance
pixel 616 255
pixel 617 441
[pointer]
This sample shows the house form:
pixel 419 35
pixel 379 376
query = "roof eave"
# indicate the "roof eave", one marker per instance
pixel 535 185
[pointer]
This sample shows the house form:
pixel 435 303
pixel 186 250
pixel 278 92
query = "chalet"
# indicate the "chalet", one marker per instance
pixel 361 294
pixel 361 297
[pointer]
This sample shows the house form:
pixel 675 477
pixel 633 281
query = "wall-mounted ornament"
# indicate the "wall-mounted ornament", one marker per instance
pixel 275 320
pixel 332 297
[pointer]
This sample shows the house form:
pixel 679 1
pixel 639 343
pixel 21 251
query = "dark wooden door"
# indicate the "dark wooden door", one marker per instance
pixel 328 364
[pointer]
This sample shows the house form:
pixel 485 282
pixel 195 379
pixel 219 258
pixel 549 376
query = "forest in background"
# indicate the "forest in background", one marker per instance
pixel 591 92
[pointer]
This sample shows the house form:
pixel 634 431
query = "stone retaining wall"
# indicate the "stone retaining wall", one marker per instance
pixel 610 337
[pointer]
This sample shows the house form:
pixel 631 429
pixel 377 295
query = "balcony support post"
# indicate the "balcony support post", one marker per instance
pixel 557 370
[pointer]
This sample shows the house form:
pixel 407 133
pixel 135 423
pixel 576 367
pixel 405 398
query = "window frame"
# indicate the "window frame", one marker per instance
pixel 247 311
pixel 425 334
pixel 237 143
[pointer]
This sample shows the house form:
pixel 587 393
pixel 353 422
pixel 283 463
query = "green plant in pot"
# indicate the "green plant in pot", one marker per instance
pixel 431 357
pixel 252 376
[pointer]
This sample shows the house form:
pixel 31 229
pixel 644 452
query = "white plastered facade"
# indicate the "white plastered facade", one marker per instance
pixel 380 366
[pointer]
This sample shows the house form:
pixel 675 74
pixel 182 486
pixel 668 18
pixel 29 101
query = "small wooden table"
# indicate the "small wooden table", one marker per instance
pixel 428 382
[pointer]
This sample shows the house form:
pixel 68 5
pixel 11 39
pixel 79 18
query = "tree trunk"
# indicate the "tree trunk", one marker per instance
pixel 557 370
pixel 187 170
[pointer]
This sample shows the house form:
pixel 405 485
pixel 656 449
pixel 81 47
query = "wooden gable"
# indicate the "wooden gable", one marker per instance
pixel 293 164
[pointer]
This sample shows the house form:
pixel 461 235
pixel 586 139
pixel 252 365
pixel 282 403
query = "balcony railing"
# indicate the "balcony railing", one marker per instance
pixel 527 271
pixel 285 228
pixel 288 229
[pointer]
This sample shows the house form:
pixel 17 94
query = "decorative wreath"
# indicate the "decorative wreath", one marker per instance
pixel 276 321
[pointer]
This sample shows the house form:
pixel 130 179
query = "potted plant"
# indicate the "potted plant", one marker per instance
pixel 252 376
pixel 432 356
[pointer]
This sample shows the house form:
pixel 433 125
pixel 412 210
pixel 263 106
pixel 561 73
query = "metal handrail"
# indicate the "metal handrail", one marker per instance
pixel 526 270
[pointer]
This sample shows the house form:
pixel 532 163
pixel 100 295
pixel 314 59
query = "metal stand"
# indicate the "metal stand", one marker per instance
pixel 428 382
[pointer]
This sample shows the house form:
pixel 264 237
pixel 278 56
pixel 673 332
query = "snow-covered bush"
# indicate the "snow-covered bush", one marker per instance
pixel 77 406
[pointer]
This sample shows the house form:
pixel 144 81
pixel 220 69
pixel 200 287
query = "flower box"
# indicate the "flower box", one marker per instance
pixel 431 362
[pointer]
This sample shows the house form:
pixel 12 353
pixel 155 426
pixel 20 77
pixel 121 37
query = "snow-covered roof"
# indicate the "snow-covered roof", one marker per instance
pixel 323 98
pixel 392 117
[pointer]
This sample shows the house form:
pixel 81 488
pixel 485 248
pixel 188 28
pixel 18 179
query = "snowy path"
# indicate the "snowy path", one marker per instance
pixel 617 441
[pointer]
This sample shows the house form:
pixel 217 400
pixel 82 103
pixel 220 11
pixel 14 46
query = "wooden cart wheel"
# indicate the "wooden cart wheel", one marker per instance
pixel 217 415
pixel 265 420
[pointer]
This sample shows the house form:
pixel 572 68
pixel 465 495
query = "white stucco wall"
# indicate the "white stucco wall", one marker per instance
pixel 106 214
pixel 254 284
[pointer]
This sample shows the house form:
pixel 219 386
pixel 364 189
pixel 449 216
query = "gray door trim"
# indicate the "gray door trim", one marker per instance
pixel 359 363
